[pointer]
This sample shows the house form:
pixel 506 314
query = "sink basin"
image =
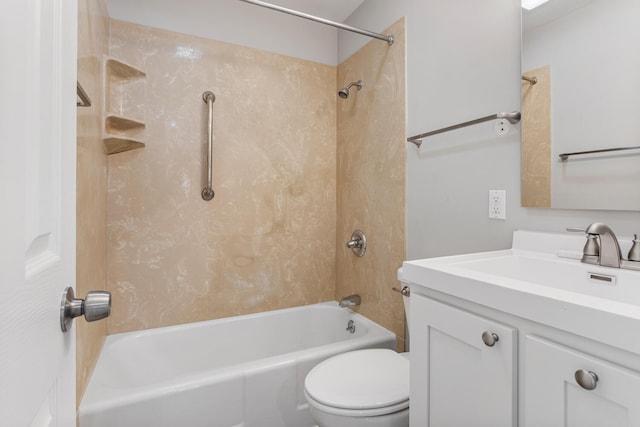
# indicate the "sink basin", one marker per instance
pixel 560 274
pixel 532 281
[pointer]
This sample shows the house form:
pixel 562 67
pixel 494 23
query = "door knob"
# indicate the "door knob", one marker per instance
pixel 95 306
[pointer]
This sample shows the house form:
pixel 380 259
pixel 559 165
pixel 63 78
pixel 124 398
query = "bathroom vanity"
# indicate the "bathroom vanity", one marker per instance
pixel 529 336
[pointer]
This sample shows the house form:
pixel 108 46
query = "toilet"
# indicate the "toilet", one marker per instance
pixel 362 388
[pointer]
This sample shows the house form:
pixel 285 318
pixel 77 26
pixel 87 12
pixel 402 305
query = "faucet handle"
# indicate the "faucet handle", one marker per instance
pixel 576 229
pixel 634 252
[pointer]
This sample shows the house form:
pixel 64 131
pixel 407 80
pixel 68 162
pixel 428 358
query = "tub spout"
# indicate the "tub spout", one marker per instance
pixel 350 301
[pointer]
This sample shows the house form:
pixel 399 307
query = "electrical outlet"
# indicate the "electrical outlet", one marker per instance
pixel 502 127
pixel 498 204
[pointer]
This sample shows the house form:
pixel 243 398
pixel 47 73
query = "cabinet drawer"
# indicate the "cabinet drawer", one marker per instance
pixel 553 397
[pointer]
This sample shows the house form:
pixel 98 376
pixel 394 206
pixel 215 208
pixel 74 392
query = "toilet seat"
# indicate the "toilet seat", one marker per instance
pixel 356 413
pixel 360 383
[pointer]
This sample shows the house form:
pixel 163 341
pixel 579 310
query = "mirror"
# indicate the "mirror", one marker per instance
pixel 581 59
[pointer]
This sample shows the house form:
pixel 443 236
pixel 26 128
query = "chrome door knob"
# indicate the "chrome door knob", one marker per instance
pixel 95 306
pixel 588 380
pixel 489 338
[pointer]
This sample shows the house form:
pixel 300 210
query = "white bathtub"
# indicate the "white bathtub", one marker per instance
pixel 237 371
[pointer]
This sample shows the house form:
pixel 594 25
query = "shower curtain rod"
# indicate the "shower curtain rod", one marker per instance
pixel 389 39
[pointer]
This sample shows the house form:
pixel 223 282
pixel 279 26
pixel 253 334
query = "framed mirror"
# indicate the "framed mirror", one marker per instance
pixel 581 105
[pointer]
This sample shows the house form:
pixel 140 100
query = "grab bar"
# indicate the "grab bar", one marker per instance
pixel 565 156
pixel 207 192
pixel 85 101
pixel 513 118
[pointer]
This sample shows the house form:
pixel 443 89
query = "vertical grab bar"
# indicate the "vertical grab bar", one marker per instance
pixel 207 192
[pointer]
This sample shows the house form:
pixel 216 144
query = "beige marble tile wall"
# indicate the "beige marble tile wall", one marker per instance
pixel 267 239
pixel 371 178
pixel 536 139
pixel 91 234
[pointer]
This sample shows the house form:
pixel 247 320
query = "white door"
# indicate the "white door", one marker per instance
pixel 457 379
pixel 37 210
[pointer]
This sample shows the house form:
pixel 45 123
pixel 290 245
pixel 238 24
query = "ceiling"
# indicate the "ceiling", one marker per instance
pixel 548 12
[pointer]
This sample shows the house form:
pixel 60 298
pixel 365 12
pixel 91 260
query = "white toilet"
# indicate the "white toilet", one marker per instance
pixel 363 388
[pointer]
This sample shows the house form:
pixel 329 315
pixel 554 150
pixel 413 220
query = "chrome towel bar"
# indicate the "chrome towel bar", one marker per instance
pixel 207 192
pixel 513 118
pixel 389 39
pixel 565 156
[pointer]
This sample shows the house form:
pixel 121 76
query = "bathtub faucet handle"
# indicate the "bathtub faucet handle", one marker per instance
pixel 350 301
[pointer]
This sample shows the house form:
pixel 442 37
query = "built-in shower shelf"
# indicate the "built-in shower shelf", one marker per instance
pixel 119 144
pixel 125 87
pixel 118 125
pixel 122 71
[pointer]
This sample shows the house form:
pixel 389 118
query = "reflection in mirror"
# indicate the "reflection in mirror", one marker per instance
pixel 581 61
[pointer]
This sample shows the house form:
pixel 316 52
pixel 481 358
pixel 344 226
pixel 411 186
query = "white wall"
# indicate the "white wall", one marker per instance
pixel 236 22
pixel 464 63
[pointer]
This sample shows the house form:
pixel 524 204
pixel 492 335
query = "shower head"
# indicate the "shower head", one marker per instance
pixel 344 92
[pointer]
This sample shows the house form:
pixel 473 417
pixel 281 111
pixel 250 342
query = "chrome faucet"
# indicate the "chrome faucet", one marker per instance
pixel 602 248
pixel 610 254
pixel 350 301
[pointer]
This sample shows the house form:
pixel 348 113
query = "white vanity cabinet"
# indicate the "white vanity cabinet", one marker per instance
pixel 458 379
pixel 608 396
pixel 523 376
pixel 568 348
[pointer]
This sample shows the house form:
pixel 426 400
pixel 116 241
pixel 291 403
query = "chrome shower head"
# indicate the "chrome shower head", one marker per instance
pixel 344 92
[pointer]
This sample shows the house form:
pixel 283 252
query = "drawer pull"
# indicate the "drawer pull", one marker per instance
pixel 489 338
pixel 588 380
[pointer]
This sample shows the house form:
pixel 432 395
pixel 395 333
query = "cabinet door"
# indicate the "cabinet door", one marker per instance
pixel 552 396
pixel 456 379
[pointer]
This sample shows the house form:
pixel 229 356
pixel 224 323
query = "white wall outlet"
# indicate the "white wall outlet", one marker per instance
pixel 498 204
pixel 502 127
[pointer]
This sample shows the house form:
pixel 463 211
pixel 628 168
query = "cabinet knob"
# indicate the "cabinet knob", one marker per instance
pixel 588 380
pixel 489 338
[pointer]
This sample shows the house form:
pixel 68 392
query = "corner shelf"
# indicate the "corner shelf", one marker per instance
pixel 123 71
pixel 117 125
pixel 124 89
pixel 119 144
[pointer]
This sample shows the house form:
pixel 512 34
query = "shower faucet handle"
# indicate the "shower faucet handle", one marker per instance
pixel 358 243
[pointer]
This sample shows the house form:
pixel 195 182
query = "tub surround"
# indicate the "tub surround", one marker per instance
pixel 371 157
pixel 266 240
pixel 173 258
pixel 91 205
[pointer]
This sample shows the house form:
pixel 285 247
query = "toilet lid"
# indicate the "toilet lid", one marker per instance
pixel 362 379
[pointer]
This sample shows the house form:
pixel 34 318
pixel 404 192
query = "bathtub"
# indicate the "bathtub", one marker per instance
pixel 237 371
